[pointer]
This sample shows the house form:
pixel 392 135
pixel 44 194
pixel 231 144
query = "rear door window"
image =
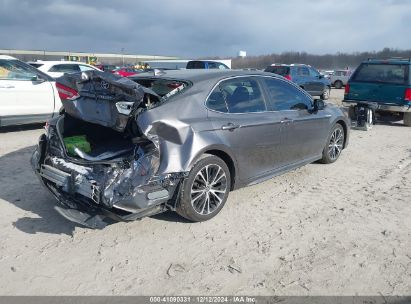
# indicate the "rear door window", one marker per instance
pixel 243 95
pixel 382 73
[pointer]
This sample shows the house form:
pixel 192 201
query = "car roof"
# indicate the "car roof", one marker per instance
pixel 389 60
pixel 202 75
pixel 6 57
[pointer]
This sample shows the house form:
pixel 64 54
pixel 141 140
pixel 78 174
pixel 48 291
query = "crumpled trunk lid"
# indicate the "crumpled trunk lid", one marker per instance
pixel 102 98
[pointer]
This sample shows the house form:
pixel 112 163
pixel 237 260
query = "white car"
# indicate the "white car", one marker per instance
pixel 340 78
pixel 27 95
pixel 58 68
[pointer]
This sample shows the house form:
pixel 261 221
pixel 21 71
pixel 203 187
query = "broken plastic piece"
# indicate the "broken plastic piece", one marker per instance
pixel 103 156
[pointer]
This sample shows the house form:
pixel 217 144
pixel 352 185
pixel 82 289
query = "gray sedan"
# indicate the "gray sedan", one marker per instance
pixel 177 140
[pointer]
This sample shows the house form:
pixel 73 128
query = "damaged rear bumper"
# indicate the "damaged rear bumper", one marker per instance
pixel 88 195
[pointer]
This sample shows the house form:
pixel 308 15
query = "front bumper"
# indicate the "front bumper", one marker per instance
pixel 378 106
pixel 88 198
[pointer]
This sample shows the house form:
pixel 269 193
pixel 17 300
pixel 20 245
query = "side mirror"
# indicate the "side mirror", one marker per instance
pixel 320 76
pixel 318 105
pixel 37 78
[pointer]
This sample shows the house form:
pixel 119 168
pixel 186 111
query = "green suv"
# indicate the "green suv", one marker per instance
pixel 383 85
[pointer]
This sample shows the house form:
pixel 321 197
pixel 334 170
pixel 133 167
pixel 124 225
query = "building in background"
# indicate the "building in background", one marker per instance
pixel 242 54
pixel 91 58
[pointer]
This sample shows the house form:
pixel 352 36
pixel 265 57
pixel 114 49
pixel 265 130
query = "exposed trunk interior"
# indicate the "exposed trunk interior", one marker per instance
pixel 105 142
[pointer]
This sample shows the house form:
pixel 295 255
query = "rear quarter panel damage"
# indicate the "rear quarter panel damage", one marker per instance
pixel 180 140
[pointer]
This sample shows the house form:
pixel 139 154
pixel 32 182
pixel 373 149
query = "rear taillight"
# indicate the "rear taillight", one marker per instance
pixel 66 93
pixel 288 77
pixel 407 94
pixel 347 89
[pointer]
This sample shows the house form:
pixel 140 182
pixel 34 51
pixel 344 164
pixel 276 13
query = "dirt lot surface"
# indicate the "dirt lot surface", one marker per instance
pixel 339 229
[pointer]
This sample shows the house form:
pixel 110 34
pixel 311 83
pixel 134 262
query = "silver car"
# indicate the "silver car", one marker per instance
pixel 177 140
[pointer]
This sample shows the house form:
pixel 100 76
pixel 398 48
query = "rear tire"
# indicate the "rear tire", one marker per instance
pixel 338 84
pixel 407 119
pixel 334 145
pixel 351 113
pixel 370 120
pixel 205 190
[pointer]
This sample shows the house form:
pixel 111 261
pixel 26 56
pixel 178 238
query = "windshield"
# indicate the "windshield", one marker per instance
pixel 384 73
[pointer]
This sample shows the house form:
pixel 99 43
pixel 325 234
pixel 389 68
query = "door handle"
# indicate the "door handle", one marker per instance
pixel 7 86
pixel 230 127
pixel 286 120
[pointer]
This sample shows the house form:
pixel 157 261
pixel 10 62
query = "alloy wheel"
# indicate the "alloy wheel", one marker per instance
pixel 336 143
pixel 208 189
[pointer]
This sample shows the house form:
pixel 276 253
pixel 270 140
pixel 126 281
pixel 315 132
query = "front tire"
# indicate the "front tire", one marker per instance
pixel 334 145
pixel 205 190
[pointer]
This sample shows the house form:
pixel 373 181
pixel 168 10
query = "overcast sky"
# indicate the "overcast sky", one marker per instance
pixel 194 28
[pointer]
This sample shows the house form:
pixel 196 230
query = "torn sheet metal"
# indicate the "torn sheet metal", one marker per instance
pixel 104 98
pixel 131 185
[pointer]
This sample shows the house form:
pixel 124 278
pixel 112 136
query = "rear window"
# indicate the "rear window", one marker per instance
pixel 165 88
pixel 280 70
pixel 383 73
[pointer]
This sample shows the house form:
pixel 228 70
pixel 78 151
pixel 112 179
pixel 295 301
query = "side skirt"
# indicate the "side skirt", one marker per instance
pixel 280 171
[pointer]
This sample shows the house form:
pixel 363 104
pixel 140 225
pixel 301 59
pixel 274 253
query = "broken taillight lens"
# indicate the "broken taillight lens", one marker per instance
pixel 407 94
pixel 66 93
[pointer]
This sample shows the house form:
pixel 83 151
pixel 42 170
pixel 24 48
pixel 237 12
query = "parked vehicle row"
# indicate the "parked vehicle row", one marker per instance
pixel 305 76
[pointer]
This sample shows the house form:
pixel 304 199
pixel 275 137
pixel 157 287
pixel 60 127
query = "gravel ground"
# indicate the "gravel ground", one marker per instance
pixel 340 229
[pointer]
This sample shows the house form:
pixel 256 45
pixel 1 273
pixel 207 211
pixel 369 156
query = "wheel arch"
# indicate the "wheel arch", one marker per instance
pixel 226 156
pixel 345 127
